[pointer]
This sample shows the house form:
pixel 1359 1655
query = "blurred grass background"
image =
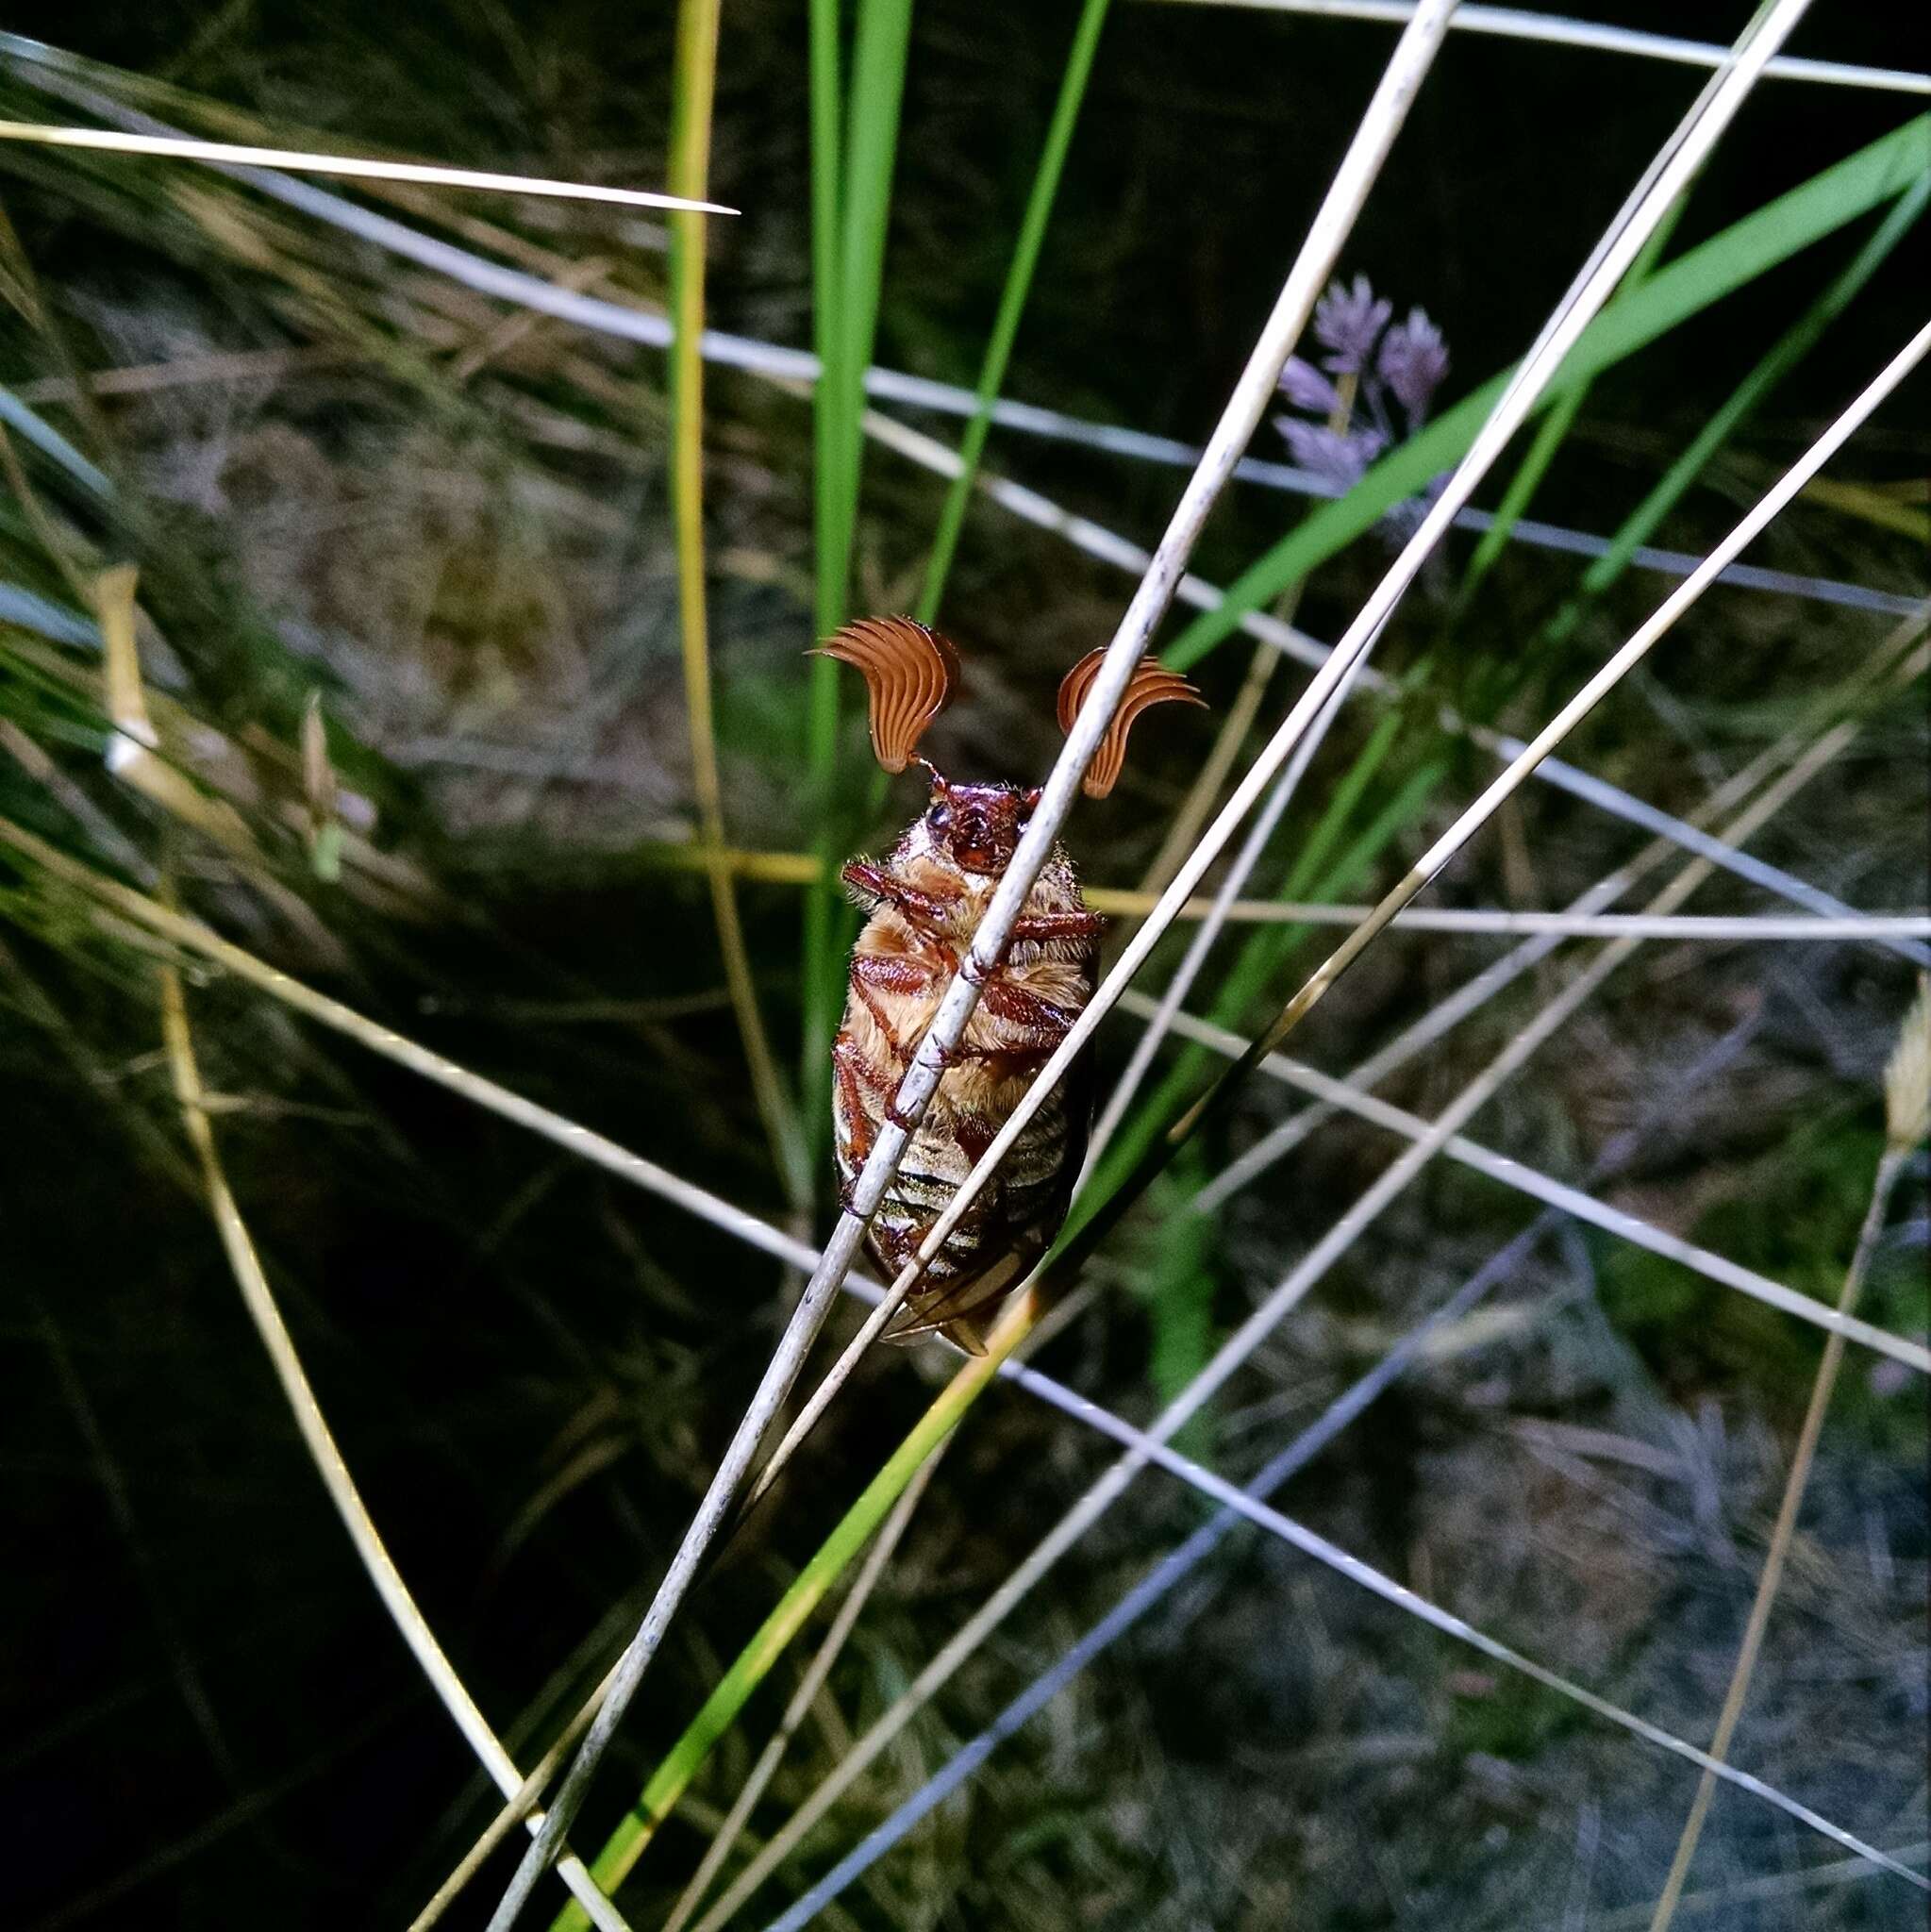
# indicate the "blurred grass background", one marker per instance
pixel 356 493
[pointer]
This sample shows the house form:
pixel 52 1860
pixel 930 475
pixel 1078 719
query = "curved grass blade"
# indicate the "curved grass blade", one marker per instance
pixel 1724 420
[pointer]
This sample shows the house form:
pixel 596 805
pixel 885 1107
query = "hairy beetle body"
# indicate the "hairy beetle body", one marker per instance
pixel 925 906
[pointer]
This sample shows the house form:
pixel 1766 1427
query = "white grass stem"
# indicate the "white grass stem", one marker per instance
pixel 1266 822
pixel 183 148
pixel 1252 394
pixel 1553 30
pixel 322 1451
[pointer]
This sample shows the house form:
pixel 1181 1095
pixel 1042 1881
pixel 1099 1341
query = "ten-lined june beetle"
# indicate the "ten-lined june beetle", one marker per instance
pixel 925 903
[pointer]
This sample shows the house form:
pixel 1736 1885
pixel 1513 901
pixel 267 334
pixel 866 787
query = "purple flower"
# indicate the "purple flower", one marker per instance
pixel 1338 459
pixel 1347 322
pixel 1412 363
pixel 1305 388
pixel 1398 370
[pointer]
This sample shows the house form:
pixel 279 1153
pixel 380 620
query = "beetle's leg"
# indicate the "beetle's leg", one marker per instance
pixel 877 887
pixel 873 973
pixel 1059 926
pixel 849 1072
pixel 1005 1000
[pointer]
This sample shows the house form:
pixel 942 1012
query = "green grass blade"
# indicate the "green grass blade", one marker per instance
pixel 1839 293
pixel 1019 278
pixel 754 1662
pixel 854 267
pixel 830 495
pixel 1718 267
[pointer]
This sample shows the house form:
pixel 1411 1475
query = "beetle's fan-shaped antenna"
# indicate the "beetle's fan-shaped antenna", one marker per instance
pixel 1152 684
pixel 910 673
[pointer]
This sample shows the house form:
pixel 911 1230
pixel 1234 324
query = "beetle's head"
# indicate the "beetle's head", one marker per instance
pixel 979 825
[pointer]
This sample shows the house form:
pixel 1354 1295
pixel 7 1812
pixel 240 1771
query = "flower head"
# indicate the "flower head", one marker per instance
pixel 1339 459
pixel 1347 322
pixel 1305 388
pixel 1413 361
pixel 1390 377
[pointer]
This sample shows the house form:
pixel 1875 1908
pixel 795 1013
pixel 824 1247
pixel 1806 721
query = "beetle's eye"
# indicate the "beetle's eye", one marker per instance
pixel 939 817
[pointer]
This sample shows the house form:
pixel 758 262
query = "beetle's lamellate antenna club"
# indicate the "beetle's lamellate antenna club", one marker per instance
pixel 1152 684
pixel 910 675
pixel 925 903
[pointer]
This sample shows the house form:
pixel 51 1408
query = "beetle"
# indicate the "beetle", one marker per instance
pixel 924 903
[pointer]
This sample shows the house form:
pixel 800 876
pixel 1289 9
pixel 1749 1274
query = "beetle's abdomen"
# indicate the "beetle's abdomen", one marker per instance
pixel 900 969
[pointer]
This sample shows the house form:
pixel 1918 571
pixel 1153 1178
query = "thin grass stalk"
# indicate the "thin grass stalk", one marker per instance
pixel 1520 23
pixel 809 1685
pixel 799 867
pixel 1259 836
pixel 1192 810
pixel 1385 115
pixel 1107 545
pixel 1344 1096
pixel 1019 279
pixel 1474 922
pixel 1801 762
pixel 320 1440
pixel 1199 802
pixel 1681 155
pixel 176 147
pixel 1723 421
pixel 697 84
pixel 1908 1115
pixel 831 495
